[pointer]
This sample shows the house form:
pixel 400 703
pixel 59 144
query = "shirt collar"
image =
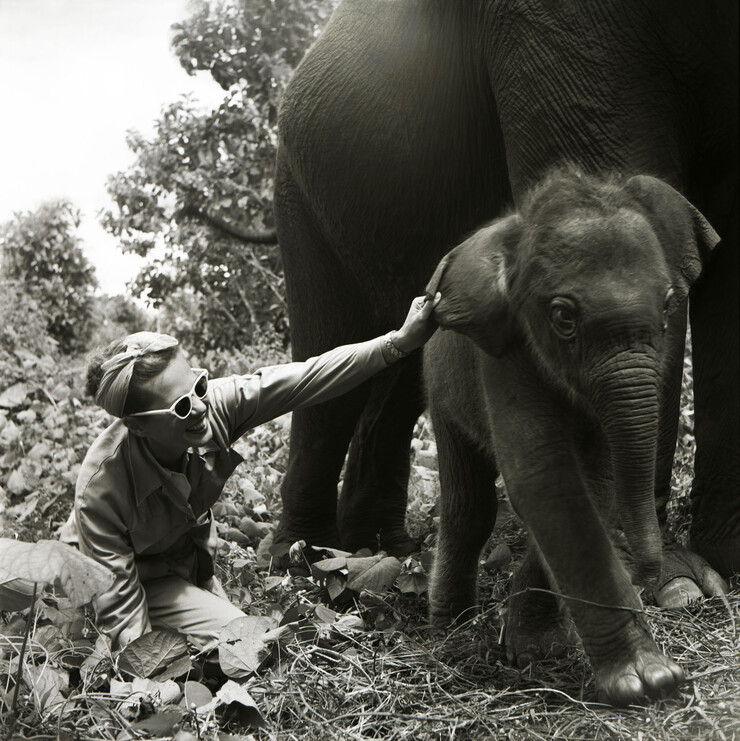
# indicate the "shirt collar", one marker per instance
pixel 147 473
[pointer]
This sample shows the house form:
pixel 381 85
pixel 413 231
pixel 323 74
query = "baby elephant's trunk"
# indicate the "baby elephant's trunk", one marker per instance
pixel 626 402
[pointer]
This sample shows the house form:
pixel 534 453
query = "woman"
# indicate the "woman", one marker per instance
pixel 145 488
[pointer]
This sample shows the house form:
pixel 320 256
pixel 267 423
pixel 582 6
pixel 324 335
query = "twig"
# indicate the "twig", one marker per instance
pixel 12 718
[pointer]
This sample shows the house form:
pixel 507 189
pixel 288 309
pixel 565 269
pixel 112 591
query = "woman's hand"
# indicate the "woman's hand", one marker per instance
pixel 419 325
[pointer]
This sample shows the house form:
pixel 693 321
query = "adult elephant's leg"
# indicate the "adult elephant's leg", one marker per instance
pixel 326 310
pixel 715 325
pixel 372 509
pixel 467 513
pixel 685 575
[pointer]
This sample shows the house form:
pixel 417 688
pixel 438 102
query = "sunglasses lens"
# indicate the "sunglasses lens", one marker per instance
pixel 201 386
pixel 183 407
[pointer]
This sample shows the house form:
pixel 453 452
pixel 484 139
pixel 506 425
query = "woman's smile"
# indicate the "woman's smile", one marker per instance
pixel 200 427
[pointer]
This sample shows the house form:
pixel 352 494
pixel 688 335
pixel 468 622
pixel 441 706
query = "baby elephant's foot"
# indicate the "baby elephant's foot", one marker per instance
pixel 640 674
pixel 529 640
pixel 448 606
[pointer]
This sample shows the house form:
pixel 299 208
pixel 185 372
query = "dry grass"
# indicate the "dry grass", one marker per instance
pixel 415 682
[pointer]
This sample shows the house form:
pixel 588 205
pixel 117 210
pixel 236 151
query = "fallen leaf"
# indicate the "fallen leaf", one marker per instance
pixel 241 647
pixel 167 691
pixel 47 686
pixel 273 581
pixel 236 694
pixel 324 614
pixel 15 595
pixel 498 558
pixel 152 653
pixel 17 483
pixel 352 622
pixel 328 565
pixel 195 693
pixel 50 561
pixel 160 724
pixel 413 582
pixel 336 584
pixel 14 396
pixel 373 573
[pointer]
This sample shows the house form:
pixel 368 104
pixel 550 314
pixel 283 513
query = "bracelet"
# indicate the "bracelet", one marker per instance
pixel 392 349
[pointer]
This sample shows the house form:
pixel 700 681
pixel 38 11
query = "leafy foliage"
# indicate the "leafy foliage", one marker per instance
pixel 200 191
pixel 40 252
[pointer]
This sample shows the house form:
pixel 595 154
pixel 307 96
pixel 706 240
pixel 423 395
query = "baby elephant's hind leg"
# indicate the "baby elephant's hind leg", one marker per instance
pixel 467 515
pixel 535 627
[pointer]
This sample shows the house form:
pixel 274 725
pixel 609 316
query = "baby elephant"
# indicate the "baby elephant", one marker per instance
pixel 564 374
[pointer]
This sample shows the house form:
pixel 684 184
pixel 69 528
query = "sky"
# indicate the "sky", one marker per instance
pixel 75 75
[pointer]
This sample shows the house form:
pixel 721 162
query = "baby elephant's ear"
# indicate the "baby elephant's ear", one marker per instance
pixel 686 236
pixel 472 281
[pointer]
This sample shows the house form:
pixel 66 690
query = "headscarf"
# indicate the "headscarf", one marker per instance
pixel 117 371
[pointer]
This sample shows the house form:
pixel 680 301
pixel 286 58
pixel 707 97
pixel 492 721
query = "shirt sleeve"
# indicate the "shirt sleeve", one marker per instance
pixel 122 611
pixel 247 401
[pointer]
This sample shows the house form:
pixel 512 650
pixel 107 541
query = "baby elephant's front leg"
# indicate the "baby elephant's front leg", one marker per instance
pixel 586 571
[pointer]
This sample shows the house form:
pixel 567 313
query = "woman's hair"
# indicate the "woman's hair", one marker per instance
pixel 146 367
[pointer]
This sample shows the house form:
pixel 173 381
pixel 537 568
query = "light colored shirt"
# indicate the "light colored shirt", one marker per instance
pixel 144 521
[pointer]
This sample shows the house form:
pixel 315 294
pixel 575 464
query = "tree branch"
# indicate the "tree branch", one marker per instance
pixel 232 228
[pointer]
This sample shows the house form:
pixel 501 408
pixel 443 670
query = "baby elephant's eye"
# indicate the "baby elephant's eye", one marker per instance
pixel 563 316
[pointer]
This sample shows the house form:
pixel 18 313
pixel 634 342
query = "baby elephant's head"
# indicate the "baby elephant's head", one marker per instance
pixel 591 279
pixel 587 269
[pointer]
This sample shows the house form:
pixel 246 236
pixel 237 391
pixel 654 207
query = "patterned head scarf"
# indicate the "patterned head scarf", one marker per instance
pixel 117 371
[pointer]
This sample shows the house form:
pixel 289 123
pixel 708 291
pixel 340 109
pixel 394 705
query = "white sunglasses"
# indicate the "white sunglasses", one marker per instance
pixel 184 405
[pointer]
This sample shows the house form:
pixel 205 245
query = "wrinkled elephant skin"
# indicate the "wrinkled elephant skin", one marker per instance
pixel 409 125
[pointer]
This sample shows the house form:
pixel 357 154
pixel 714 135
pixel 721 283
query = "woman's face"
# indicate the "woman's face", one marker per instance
pixel 166 431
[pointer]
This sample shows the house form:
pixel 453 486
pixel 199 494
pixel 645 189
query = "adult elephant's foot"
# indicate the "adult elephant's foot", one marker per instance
pixel 443 613
pixel 723 554
pixel 451 600
pixel 637 674
pixel 686 577
pixel 290 533
pixel 395 542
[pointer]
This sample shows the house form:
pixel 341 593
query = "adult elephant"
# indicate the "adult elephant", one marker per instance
pixel 410 123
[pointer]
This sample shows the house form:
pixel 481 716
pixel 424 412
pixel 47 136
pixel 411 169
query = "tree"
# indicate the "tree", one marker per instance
pixel 201 188
pixel 41 256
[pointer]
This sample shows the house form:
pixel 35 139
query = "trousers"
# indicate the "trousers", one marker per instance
pixel 176 604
